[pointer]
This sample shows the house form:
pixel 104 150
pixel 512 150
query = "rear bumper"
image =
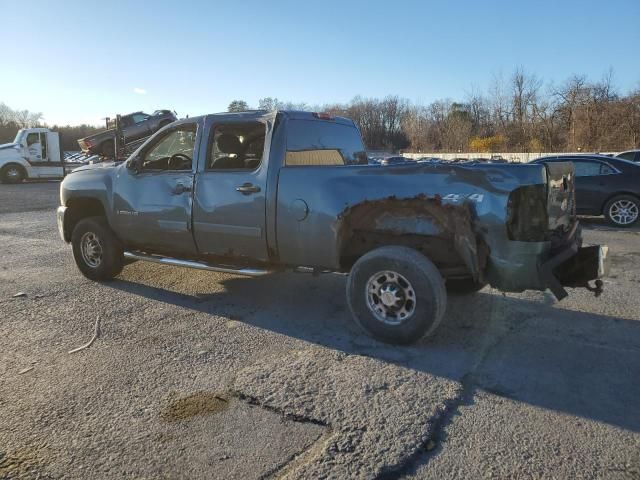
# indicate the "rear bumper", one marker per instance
pixel 520 266
pixel 575 266
pixel 60 213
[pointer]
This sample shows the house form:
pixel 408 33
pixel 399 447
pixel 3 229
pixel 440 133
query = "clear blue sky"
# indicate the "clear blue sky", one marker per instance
pixel 79 61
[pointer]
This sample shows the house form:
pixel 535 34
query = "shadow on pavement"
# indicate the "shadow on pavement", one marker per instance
pixel 579 363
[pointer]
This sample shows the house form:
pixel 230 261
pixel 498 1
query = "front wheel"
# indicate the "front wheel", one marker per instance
pixel 96 250
pixel 396 294
pixel 622 210
pixel 12 174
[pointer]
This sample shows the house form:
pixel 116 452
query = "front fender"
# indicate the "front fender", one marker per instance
pixel 90 183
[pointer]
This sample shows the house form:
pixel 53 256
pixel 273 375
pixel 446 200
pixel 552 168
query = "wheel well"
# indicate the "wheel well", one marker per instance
pixel 604 204
pixel 79 208
pixel 443 233
pixel 14 164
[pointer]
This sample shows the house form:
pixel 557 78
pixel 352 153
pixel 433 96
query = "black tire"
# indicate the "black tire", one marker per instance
pixel 425 285
pixel 12 173
pixel 464 286
pixel 612 210
pixel 112 259
pixel 107 149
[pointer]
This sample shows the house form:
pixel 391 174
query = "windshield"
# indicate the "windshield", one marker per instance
pixel 19 136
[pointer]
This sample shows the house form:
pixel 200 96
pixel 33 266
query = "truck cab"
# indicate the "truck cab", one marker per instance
pixel 34 153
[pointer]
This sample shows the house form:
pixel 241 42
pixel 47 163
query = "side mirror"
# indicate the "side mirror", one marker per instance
pixel 134 164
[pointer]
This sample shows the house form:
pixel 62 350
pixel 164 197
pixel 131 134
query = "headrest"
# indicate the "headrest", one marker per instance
pixel 228 143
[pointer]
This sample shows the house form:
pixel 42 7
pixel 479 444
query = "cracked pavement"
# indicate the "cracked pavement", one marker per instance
pixel 204 375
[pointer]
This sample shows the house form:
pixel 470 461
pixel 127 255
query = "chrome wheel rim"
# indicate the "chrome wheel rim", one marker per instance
pixel 91 249
pixel 624 212
pixel 390 297
pixel 13 173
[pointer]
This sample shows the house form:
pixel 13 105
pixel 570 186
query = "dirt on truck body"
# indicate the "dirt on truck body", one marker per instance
pixel 443 232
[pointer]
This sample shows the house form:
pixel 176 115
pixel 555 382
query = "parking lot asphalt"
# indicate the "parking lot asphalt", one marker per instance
pixel 203 375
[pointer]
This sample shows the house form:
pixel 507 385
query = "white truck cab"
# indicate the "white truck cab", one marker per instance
pixel 34 153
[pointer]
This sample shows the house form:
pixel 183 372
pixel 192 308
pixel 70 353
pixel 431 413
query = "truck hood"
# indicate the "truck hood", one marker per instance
pixel 9 145
pixel 10 151
pixel 96 166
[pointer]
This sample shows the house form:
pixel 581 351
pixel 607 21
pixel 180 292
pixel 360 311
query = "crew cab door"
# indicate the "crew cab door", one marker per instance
pixel 231 187
pixel 153 201
pixel 139 127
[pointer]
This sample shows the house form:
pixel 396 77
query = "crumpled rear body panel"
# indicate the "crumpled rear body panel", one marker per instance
pixel 457 212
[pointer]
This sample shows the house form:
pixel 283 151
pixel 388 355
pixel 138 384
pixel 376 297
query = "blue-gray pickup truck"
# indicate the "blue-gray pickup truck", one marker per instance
pixel 259 192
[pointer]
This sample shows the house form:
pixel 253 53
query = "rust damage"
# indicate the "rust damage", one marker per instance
pixel 443 232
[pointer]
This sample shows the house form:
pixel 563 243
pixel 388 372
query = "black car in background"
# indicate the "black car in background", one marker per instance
pixel 608 186
pixel 633 155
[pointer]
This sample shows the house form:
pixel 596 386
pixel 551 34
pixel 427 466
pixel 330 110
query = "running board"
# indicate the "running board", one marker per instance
pixel 250 272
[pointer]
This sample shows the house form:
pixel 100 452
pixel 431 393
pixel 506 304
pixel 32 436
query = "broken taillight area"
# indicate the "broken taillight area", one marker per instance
pixel 527 216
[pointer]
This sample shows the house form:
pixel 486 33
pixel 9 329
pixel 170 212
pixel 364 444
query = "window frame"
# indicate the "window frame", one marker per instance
pixel 212 139
pixel 147 148
pixel 614 171
pixel 144 115
pixel 334 148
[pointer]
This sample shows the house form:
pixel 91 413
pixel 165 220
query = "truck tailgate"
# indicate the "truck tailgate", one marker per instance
pixel 560 196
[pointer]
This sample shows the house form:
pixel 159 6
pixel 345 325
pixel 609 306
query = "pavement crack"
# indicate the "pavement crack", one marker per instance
pixel 288 415
pixel 470 383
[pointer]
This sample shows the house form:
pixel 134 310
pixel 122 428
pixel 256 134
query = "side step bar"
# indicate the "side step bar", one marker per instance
pixel 250 272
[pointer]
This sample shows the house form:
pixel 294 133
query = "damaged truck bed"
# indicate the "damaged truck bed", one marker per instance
pixel 257 192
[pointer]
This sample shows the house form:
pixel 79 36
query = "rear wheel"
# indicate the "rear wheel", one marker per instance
pixel 396 294
pixel 622 210
pixel 464 286
pixel 12 174
pixel 96 250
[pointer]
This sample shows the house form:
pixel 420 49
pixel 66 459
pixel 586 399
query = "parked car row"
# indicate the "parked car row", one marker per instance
pixel 608 186
pixel 605 185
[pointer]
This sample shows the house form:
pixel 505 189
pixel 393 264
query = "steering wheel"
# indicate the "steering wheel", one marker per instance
pixel 177 161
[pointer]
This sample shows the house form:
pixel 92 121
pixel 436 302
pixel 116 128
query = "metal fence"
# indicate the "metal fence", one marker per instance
pixel 510 156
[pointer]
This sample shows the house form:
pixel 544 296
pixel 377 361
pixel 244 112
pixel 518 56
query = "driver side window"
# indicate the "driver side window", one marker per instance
pixel 140 117
pixel 173 151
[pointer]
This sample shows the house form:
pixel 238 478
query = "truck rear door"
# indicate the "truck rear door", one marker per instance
pixel 229 209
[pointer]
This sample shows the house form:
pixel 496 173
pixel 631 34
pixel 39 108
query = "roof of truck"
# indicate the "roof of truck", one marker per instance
pixel 293 114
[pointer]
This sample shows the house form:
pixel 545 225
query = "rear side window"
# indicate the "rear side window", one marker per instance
pixel 627 155
pixel 236 146
pixel 312 143
pixel 587 169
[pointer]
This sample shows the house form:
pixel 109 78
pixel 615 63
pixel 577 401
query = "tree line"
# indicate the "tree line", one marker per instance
pixel 13 120
pixel 517 114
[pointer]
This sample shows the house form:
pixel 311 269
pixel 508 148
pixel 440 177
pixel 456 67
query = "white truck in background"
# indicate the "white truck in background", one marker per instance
pixel 34 153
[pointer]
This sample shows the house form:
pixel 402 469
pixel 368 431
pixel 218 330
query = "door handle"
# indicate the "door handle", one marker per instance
pixel 181 188
pixel 247 188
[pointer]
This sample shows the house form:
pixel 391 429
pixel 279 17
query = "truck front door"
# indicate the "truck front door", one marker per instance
pixel 231 187
pixel 43 156
pixel 139 127
pixel 153 202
